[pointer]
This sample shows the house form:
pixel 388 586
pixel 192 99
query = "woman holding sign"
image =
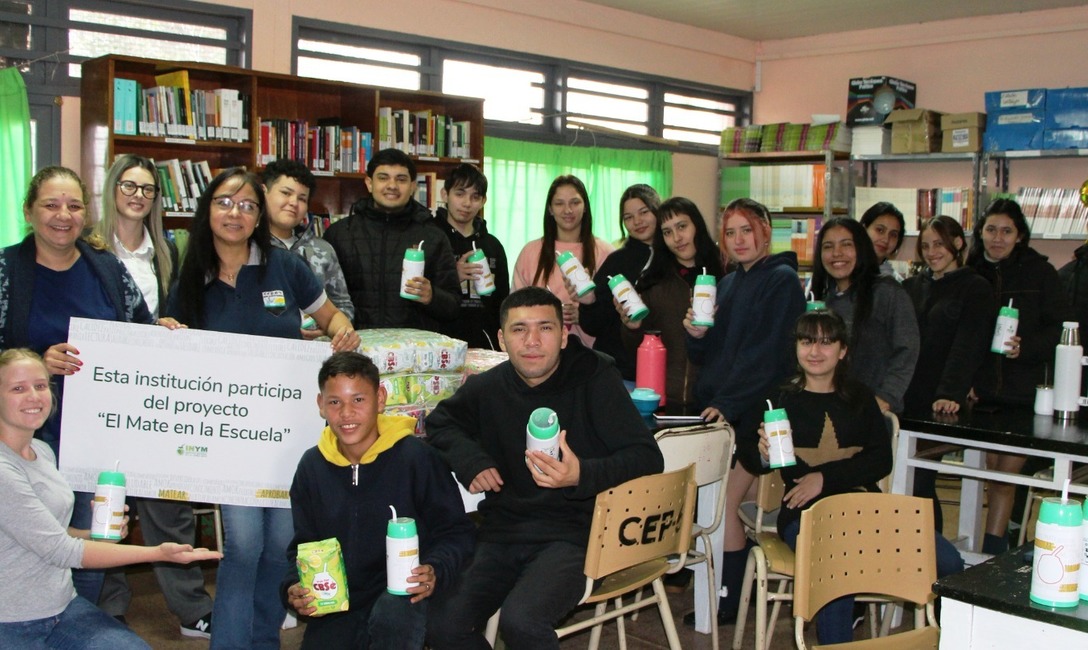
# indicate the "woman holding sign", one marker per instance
pixel 130 226
pixel 234 280
pixel 54 275
pixel 41 608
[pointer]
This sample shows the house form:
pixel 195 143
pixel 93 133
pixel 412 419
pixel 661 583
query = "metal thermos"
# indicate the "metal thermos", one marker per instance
pixel 1068 359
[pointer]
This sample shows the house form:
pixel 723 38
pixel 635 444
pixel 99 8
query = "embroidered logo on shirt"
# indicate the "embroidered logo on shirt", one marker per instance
pixel 274 301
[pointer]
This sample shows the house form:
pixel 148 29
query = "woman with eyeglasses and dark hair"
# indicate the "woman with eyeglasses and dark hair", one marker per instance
pixel 50 277
pixel 745 353
pixel 1017 273
pixel 598 314
pixel 877 311
pixel 886 227
pixel 130 226
pixel 229 267
pixel 955 310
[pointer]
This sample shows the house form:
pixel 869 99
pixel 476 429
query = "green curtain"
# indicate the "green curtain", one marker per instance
pixel 519 174
pixel 15 154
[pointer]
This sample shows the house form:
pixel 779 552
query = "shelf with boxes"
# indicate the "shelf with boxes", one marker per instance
pixel 205 117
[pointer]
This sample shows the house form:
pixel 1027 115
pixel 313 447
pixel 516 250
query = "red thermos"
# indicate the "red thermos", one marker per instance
pixel 650 364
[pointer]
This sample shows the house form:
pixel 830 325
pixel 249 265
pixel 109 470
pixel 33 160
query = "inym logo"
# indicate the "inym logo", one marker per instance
pixel 635 530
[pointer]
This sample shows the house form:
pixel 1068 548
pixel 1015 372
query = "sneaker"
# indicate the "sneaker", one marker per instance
pixel 201 628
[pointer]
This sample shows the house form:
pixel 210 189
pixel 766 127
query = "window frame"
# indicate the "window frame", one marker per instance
pixel 554 128
pixel 46 75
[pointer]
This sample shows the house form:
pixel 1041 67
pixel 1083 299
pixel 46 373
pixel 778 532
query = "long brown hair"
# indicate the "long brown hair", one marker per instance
pixel 546 264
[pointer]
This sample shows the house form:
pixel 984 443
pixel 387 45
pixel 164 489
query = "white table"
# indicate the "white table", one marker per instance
pixel 1009 430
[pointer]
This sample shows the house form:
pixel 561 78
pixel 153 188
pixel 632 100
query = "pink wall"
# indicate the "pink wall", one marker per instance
pixel 953 62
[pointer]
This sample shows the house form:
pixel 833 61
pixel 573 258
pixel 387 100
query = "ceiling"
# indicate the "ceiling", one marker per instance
pixel 766 20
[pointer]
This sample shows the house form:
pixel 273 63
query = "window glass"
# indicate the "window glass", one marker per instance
pixel 509 94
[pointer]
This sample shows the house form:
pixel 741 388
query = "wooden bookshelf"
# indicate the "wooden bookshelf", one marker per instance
pixel 270 96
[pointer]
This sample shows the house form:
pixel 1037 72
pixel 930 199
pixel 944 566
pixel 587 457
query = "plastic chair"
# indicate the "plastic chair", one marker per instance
pixel 769 560
pixel 710 448
pixel 772 560
pixel 761 515
pixel 868 543
pixel 641 530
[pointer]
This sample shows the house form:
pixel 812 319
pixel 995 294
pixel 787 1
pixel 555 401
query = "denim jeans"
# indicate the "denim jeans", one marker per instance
pixel 535 584
pixel 247 611
pixel 391 623
pixel 81 626
pixel 835 622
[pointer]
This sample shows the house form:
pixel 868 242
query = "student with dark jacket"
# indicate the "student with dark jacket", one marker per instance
pixel 364 463
pixel 465 193
pixel 370 244
pixel 1017 274
pixel 1074 277
pixel 597 314
pixel 955 311
pixel 746 352
pixel 537 511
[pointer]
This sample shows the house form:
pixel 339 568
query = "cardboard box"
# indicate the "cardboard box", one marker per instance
pixel 871 99
pixel 915 130
pixel 1065 139
pixel 1001 101
pixel 1067 108
pixel 1014 132
pixel 962 132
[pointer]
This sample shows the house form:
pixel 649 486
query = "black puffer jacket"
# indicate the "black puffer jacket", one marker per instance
pixel 1028 279
pixel 370 245
pixel 1074 277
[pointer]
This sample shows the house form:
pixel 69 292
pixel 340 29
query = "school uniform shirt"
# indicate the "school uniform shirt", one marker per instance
pixel 264 301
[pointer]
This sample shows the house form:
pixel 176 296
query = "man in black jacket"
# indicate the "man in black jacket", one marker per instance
pixel 532 542
pixel 465 193
pixel 370 244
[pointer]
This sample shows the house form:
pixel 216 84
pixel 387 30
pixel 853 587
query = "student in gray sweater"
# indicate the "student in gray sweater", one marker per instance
pixel 883 329
pixel 41 608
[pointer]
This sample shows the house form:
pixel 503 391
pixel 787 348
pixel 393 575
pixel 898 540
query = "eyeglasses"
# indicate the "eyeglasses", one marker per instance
pixel 227 204
pixel 128 188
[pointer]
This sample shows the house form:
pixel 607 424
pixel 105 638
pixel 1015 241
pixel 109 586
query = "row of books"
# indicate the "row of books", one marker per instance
pixel 778 137
pixel 424 133
pixel 181 182
pixel 428 190
pixel 1053 212
pixel 785 186
pixel 327 147
pixel 921 204
pixel 797 235
pixel 171 109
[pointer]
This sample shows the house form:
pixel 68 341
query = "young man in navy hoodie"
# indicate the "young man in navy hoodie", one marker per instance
pixel 465 193
pixel 532 541
pixel 363 463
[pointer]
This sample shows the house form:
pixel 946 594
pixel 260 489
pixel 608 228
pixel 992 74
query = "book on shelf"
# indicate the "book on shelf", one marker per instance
pixel 1053 212
pixel 424 133
pixel 797 235
pixel 782 187
pixel 427 190
pixel 175 111
pixel 918 205
pixel 326 147
pixel 124 106
pixel 181 182
pixel 871 141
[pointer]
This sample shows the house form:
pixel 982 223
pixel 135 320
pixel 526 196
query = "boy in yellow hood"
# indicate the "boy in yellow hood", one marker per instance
pixel 363 463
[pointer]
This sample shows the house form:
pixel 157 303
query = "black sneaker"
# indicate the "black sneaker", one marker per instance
pixel 201 628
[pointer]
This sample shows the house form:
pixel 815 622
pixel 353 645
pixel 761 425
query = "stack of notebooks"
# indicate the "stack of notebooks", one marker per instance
pixel 1053 212
pixel 871 141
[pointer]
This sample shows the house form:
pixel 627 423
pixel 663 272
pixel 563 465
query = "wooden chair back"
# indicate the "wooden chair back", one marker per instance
pixel 644 519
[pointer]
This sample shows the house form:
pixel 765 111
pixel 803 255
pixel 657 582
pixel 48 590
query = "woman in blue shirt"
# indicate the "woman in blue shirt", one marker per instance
pixel 234 280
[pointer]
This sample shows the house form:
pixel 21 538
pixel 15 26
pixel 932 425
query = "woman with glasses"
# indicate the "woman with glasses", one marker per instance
pixel 50 277
pixel 229 270
pixel 130 226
